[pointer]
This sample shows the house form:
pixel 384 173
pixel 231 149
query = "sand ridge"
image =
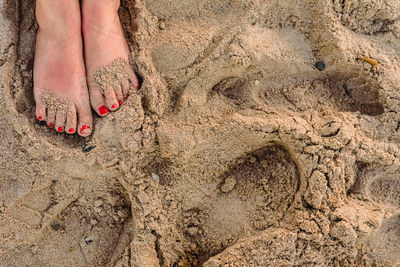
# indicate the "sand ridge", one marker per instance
pixel 237 151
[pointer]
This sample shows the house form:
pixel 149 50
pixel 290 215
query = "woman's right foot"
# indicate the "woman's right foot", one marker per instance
pixel 107 56
pixel 60 87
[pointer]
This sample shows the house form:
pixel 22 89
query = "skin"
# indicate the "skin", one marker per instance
pixel 64 69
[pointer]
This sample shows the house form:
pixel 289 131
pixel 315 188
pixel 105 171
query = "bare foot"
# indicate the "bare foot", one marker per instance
pixel 106 55
pixel 60 90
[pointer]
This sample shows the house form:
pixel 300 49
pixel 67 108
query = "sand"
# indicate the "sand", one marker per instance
pixel 112 75
pixel 258 138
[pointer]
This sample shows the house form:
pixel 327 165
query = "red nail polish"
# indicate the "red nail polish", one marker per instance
pixel 40 118
pixel 120 102
pixel 71 130
pixel 59 129
pixel 103 110
pixel 51 125
pixel 84 127
pixel 114 106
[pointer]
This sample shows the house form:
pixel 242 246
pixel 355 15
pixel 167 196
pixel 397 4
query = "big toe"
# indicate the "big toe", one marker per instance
pixel 97 102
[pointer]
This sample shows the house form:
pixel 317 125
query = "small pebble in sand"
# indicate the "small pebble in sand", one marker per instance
pixel 87 148
pixel 192 231
pixel 320 65
pixel 98 203
pixel 228 185
pixel 97 210
pixel 155 177
pixel 55 226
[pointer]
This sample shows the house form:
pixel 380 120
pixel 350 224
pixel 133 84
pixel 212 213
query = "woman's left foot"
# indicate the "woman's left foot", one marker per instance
pixel 107 56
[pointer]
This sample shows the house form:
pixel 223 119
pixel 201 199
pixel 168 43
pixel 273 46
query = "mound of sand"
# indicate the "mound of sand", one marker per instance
pixel 258 139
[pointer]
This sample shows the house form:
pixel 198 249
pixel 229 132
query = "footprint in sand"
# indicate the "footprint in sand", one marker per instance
pixel 252 196
pixel 385 190
pixel 65 225
pixel 385 242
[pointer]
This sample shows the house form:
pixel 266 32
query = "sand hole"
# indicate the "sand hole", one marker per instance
pixel 89 230
pixel 355 94
pixel 254 194
pixel 231 88
pixel 386 190
pixel 361 170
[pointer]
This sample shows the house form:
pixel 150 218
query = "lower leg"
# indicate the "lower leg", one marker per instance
pixel 58 16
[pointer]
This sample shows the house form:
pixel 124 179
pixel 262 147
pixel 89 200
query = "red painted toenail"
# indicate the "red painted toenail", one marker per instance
pixel 60 129
pixel 114 106
pixel 71 130
pixel 40 118
pixel 84 127
pixel 103 110
pixel 51 125
pixel 120 102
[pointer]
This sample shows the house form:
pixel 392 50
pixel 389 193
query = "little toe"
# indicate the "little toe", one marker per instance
pixel 110 99
pixel 40 112
pixel 134 80
pixel 97 102
pixel 85 120
pixel 60 120
pixel 51 116
pixel 70 125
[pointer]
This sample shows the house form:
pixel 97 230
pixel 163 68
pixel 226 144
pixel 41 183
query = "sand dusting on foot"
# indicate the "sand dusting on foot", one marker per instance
pixel 112 75
pixel 258 138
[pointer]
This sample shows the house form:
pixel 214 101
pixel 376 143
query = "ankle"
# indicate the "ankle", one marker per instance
pixel 58 16
pixel 99 15
pixel 100 9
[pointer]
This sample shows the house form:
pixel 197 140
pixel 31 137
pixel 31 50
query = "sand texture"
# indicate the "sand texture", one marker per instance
pixel 239 150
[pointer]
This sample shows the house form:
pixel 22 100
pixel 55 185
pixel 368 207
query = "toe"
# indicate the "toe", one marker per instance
pixel 85 120
pixel 134 80
pixel 60 120
pixel 125 88
pixel 97 102
pixel 51 116
pixel 40 111
pixel 110 98
pixel 118 94
pixel 70 125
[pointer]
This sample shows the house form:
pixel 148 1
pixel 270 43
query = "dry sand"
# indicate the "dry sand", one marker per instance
pixel 238 151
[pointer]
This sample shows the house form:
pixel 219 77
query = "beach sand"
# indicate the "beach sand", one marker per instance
pixel 258 138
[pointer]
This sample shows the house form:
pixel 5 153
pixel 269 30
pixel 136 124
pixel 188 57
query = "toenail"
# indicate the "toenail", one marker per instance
pixel 103 110
pixel 51 125
pixel 84 127
pixel 114 106
pixel 71 130
pixel 40 118
pixel 120 102
pixel 60 129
